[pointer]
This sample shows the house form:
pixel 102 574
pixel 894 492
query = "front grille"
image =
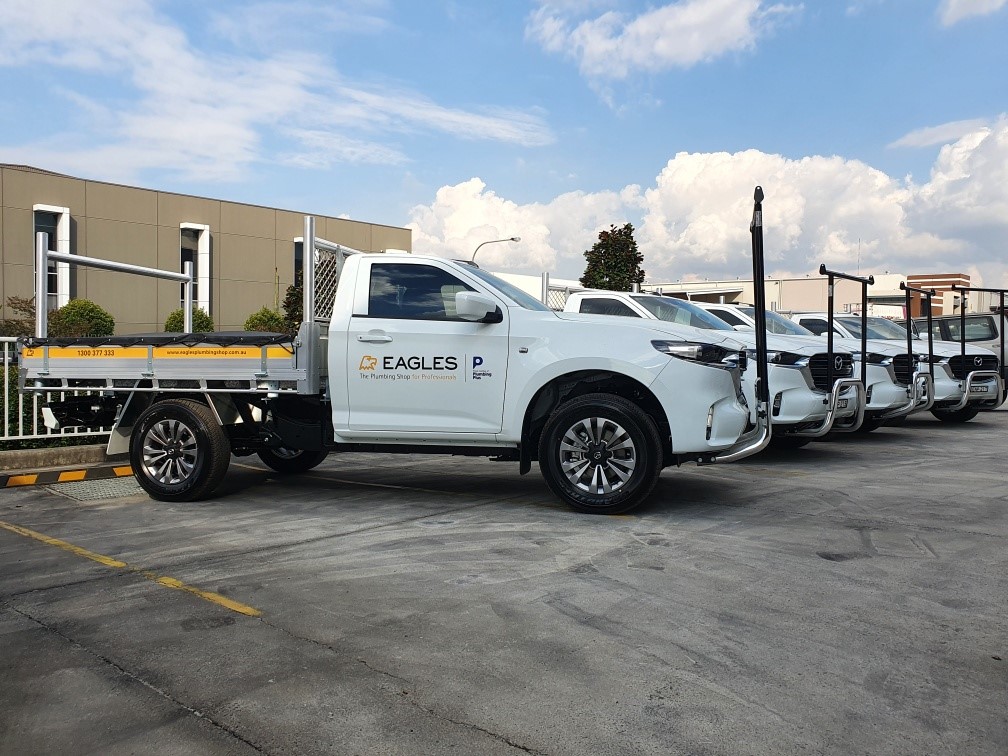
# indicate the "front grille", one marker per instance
pixel 903 366
pixel 819 365
pixel 973 362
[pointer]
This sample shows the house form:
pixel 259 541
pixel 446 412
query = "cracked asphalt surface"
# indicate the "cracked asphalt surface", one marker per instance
pixel 846 597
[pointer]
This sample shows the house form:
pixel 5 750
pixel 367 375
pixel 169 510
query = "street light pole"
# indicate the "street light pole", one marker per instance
pixel 493 241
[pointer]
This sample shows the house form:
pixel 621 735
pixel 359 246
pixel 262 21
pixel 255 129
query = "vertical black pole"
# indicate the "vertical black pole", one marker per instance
pixel 909 326
pixel 864 330
pixel 930 336
pixel 1001 329
pixel 829 332
pixel 756 229
pixel 962 332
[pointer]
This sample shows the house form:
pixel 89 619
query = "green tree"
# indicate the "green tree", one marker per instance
pixel 80 317
pixel 614 262
pixel 23 321
pixel 293 305
pixel 266 319
pixel 201 321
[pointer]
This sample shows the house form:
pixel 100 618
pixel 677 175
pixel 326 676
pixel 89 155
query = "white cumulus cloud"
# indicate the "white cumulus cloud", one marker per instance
pixel 694 219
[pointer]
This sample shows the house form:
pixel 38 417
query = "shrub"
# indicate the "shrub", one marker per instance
pixel 267 320
pixel 80 317
pixel 201 321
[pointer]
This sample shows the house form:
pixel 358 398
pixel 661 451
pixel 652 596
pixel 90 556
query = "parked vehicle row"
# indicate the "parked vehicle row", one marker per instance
pixel 898 381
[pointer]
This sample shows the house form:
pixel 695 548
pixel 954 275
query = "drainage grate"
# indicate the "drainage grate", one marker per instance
pixel 91 490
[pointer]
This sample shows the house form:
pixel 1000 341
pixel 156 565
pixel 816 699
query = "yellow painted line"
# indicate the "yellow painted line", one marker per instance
pixel 22 480
pixel 69 475
pixel 122 472
pixel 100 558
pixel 169 352
pixel 216 598
pixel 164 580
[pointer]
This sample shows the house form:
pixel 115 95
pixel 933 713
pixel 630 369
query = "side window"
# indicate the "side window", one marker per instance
pixel 417 292
pixel 606 306
pixel 728 317
pixel 980 329
pixel 818 326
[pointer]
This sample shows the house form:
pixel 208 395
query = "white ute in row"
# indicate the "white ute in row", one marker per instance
pixel 803 403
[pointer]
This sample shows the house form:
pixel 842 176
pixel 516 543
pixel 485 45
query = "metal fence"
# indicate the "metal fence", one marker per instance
pixel 556 296
pixel 22 415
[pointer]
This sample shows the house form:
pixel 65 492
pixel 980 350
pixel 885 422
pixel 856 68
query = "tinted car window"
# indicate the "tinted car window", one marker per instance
pixel 779 324
pixel 680 311
pixel 606 306
pixel 419 292
pixel 816 325
pixel 728 317
pixel 978 328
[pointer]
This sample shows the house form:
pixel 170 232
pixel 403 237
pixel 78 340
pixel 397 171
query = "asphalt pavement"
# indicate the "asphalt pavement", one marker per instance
pixel 848 597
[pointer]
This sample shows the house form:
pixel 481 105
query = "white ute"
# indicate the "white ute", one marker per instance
pixel 416 355
pixel 895 384
pixel 802 404
pixel 961 390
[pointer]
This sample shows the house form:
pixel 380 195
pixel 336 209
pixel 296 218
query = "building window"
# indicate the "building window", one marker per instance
pixel 194 247
pixel 54 221
pixel 298 258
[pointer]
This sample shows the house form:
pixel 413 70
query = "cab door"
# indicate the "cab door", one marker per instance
pixel 413 365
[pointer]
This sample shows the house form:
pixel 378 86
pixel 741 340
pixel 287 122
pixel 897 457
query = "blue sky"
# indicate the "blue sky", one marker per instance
pixel 878 128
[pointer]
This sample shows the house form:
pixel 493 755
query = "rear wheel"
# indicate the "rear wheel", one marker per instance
pixel 178 450
pixel 956 416
pixel 600 453
pixel 292 461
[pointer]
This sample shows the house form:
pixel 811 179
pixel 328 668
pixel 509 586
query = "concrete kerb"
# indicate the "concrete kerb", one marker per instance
pixel 25 467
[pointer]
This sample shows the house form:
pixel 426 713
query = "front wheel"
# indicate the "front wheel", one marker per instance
pixel 600 453
pixel 292 461
pixel 956 416
pixel 178 450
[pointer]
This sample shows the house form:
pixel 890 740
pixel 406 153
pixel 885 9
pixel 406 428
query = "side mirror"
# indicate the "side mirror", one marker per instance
pixel 476 307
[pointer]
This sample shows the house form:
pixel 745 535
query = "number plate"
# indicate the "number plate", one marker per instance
pixel 979 390
pixel 841 404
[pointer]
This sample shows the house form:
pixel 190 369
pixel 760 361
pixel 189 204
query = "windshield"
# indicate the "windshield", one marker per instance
pixel 778 323
pixel 519 297
pixel 680 311
pixel 878 328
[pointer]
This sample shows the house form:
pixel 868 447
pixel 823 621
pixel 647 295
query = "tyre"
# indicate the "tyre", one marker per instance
pixel 292 461
pixel 956 416
pixel 178 450
pixel 600 453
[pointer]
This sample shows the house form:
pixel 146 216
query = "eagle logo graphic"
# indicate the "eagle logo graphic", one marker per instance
pixel 368 362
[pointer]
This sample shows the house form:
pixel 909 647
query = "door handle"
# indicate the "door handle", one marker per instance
pixel 374 338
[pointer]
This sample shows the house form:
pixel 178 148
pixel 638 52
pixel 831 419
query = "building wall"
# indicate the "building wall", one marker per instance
pixel 251 247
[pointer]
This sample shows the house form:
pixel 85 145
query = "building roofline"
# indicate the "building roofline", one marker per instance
pixel 46 172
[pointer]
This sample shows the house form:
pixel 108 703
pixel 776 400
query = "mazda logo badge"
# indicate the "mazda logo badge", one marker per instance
pixel 838 362
pixel 978 361
pixel 597 456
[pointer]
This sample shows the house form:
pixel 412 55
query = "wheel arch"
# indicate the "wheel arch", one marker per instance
pixel 577 383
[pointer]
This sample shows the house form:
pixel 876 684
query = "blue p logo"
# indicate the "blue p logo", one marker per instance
pixel 477 361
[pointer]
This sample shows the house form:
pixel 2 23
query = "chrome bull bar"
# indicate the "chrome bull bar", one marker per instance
pixel 749 443
pixel 829 422
pixel 974 378
pixel 922 397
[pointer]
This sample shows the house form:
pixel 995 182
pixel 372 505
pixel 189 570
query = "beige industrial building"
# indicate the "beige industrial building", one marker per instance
pixel 244 256
pixel 810 294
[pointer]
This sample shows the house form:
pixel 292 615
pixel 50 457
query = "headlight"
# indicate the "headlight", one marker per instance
pixel 874 358
pixel 782 358
pixel 708 354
